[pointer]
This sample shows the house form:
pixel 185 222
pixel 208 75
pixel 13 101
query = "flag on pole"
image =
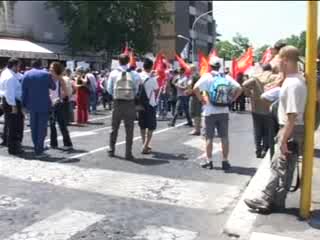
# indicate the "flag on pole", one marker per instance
pixel 126 49
pixel 132 61
pixel 267 56
pixel 203 64
pixel 184 65
pixel 185 52
pixel 213 53
pixel 160 67
pixel 243 63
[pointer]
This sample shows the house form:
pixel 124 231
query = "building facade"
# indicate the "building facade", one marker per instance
pixel 35 32
pixel 183 15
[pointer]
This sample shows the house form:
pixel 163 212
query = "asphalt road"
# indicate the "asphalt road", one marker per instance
pixel 86 195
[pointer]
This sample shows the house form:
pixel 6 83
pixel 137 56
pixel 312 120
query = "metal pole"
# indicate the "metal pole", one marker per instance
pixel 311 74
pixel 192 30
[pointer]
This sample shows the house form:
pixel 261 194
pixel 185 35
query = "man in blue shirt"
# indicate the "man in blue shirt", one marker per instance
pixel 10 90
pixel 36 99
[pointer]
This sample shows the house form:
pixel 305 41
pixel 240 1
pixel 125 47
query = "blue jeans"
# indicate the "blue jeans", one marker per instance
pixel 93 101
pixel 183 102
pixel 163 105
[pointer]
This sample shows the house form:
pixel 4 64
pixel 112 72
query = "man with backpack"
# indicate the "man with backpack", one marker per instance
pixel 123 86
pixel 147 98
pixel 220 92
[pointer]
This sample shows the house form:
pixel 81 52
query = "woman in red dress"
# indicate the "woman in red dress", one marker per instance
pixel 81 85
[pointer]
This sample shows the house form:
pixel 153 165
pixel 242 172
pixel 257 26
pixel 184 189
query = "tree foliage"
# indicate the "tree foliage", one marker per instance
pixel 258 54
pixel 229 50
pixel 107 25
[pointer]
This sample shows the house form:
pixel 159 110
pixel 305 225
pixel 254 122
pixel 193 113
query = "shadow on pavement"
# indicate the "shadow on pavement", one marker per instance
pixel 145 161
pixel 168 156
pixel 96 123
pixel 242 171
pixel 315 219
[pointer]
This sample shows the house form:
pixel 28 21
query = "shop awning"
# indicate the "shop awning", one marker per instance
pixel 20 48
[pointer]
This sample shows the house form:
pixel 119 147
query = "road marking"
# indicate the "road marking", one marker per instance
pixel 123 142
pixel 60 226
pixel 90 120
pixel 242 219
pixel 11 203
pixel 265 236
pixel 165 233
pixel 183 193
pixel 199 143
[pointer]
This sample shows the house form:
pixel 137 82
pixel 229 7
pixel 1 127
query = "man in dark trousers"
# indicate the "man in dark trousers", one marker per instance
pixel 11 92
pixel 35 98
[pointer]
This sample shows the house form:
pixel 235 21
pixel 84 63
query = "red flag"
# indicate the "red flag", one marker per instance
pixel 132 62
pixel 203 64
pixel 184 65
pixel 234 68
pixel 160 67
pixel 267 56
pixel 126 49
pixel 245 61
pixel 213 53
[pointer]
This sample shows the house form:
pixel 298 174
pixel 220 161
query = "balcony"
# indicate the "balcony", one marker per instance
pixel 15 30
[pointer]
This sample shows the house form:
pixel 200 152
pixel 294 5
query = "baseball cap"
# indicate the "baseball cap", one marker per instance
pixel 215 61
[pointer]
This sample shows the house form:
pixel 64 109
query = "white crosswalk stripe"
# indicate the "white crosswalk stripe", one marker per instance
pixel 60 226
pixel 265 236
pixel 183 193
pixel 11 203
pixel 165 233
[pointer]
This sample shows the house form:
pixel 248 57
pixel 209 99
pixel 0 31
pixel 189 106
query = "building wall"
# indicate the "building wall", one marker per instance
pixel 31 20
pixel 42 22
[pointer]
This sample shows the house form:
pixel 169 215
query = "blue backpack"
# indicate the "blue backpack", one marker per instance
pixel 220 93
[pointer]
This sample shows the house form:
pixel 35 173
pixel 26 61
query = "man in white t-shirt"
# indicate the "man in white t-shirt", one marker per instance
pixel 93 92
pixel 216 117
pixel 148 117
pixel 292 102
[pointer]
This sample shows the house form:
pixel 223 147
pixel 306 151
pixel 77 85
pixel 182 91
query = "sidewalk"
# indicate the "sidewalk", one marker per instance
pixel 287 225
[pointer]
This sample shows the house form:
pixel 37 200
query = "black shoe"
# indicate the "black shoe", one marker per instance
pixel 263 153
pixel 258 154
pixel 130 157
pixel 208 165
pixel 171 125
pixel 258 205
pixel 188 125
pixel 17 152
pixel 226 166
pixel 111 153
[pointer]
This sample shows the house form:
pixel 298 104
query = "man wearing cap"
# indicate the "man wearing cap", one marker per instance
pixel 216 117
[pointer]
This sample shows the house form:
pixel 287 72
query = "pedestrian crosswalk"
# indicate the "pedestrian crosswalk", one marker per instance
pixel 200 196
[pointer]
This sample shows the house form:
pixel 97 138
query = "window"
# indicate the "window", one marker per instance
pixel 210 28
pixel 209 6
pixel 191 20
pixel 210 45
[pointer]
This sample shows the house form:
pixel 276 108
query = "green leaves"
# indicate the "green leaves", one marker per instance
pixel 229 50
pixel 107 25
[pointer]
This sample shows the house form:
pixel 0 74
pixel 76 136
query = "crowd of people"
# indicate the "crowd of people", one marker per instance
pixel 277 94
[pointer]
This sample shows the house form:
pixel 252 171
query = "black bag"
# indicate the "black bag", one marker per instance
pixel 142 99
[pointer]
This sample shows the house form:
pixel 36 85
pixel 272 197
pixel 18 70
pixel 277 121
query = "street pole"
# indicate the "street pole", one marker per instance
pixel 192 30
pixel 311 74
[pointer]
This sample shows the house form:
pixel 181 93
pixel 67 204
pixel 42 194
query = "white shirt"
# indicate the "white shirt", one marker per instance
pixel 54 94
pixel 151 86
pixel 93 81
pixel 292 99
pixel 204 84
pixel 272 94
pixel 114 75
pixel 183 82
pixel 10 86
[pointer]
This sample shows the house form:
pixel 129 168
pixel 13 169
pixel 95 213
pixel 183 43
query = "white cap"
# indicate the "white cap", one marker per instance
pixel 213 61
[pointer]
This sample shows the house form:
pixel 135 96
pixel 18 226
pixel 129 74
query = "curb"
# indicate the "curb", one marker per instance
pixel 242 219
